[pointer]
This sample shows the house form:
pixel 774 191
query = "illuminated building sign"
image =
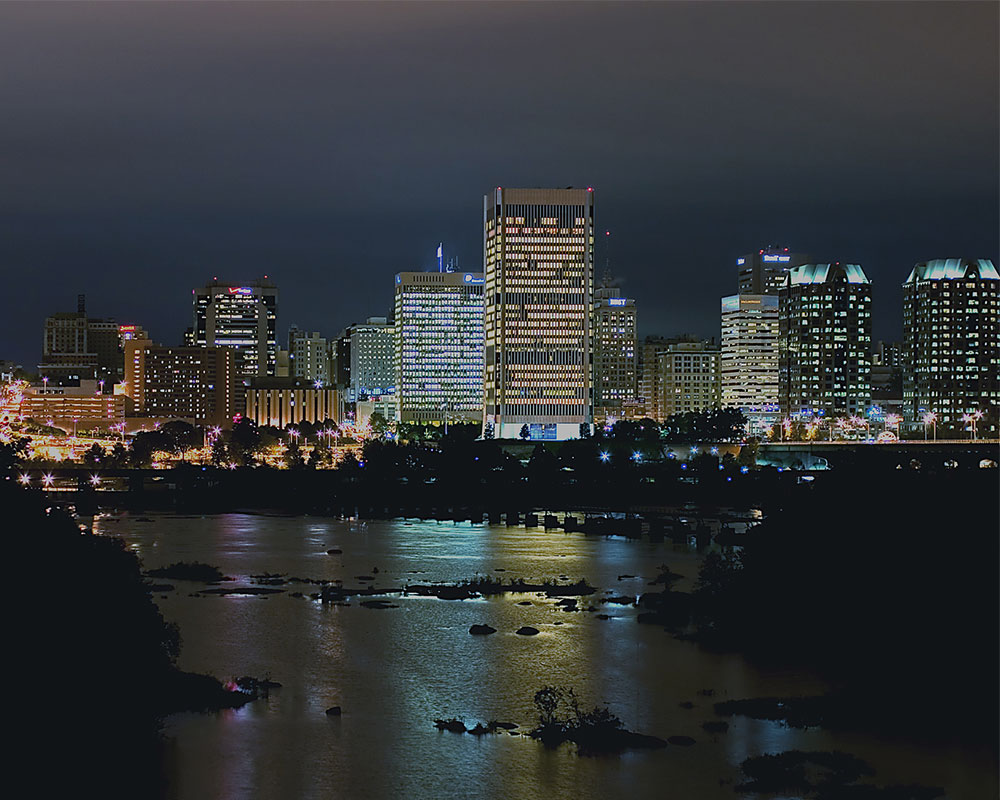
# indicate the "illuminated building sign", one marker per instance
pixel 777 258
pixel 617 301
pixel 740 262
pixel 126 328
pixel 470 278
pixel 240 290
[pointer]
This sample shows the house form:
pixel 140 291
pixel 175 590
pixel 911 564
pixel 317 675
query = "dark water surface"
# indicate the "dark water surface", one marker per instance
pixel 393 671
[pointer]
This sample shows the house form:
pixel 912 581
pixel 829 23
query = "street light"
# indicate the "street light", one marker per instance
pixel 930 418
pixel 24 479
pixel 605 455
pixel 974 417
pixel 47 479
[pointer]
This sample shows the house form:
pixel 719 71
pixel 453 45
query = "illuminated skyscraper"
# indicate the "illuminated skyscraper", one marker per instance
pixel 951 331
pixel 750 357
pixel 439 346
pixel 538 252
pixel 825 330
pixel 764 272
pixel 242 318
pixel 615 354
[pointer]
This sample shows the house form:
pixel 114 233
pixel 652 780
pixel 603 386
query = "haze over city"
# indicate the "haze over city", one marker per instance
pixel 149 147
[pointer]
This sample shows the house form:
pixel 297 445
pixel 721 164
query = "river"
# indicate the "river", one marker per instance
pixel 393 671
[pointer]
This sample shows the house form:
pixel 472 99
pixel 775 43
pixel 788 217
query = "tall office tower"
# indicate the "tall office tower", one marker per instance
pixel 616 377
pixel 439 346
pixel 750 358
pixel 764 272
pixel 370 352
pixel 77 347
pixel 689 377
pixel 243 318
pixel 194 383
pixel 309 356
pixel 538 252
pixel 951 316
pixel 825 339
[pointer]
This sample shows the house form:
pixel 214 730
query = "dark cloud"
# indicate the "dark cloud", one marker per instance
pixel 147 147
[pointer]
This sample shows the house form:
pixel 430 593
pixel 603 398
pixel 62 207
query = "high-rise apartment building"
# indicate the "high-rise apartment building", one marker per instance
pixel 764 272
pixel 439 346
pixel 825 339
pixel 308 356
pixel 194 383
pixel 538 253
pixel 749 358
pixel 243 318
pixel 689 377
pixel 951 347
pixel 616 378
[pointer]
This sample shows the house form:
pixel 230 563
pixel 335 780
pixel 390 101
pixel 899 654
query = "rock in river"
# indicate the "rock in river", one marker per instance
pixel 482 630
pixel 527 630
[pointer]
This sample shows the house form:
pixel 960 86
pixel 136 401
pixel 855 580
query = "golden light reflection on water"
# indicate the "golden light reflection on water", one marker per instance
pixel 393 671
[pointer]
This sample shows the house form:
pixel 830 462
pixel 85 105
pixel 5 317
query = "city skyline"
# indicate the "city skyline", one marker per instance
pixel 116 183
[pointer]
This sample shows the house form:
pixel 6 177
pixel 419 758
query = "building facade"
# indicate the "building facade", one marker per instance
pixel 439 346
pixel 192 383
pixel 825 340
pixel 688 377
pixel 308 356
pixel 538 253
pixel 616 355
pixel 242 318
pixel 278 402
pixel 75 408
pixel 366 359
pixel 764 272
pixel 749 358
pixel 951 347
pixel 78 348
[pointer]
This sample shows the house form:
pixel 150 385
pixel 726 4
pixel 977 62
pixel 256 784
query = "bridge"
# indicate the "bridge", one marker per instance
pixel 942 453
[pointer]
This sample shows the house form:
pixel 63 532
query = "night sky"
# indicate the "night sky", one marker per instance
pixel 145 148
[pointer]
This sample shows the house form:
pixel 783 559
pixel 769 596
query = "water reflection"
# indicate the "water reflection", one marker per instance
pixel 395 670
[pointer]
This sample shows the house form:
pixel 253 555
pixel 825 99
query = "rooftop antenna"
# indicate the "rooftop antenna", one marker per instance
pixel 607 279
pixel 440 257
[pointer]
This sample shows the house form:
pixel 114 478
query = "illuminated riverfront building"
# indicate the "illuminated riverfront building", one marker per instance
pixel 282 401
pixel 242 318
pixel 439 346
pixel 951 330
pixel 193 383
pixel 825 339
pixel 749 358
pixel 615 354
pixel 764 272
pixel 538 252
